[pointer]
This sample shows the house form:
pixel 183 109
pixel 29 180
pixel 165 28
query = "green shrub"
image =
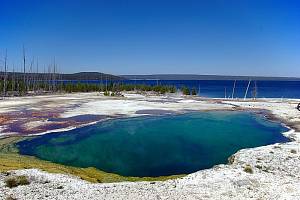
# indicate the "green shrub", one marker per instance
pixel 15 181
pixel 22 180
pixel 185 90
pixel 248 169
pixel 293 151
pixel 11 182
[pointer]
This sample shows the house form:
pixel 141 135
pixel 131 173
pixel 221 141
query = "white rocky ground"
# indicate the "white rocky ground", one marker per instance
pixel 70 105
pixel 276 168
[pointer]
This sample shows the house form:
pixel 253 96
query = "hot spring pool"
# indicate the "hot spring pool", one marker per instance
pixel 158 145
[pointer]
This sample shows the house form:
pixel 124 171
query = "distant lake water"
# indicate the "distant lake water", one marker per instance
pixel 217 88
pixel 157 145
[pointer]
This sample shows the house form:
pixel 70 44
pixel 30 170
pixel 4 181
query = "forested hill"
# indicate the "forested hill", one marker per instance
pixel 206 77
pixel 75 76
pixel 90 76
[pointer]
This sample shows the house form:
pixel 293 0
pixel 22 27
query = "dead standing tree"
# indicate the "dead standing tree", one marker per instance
pixel 5 75
pixel 233 89
pixel 254 92
pixel 245 96
pixel 24 66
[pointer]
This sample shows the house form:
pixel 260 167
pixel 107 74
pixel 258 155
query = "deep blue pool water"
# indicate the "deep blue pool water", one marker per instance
pixel 158 145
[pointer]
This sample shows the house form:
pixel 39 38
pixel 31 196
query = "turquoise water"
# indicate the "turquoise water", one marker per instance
pixel 155 146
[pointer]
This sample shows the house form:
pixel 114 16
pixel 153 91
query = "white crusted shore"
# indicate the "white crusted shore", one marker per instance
pixel 276 168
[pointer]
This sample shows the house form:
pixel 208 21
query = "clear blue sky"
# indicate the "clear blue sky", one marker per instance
pixel 241 37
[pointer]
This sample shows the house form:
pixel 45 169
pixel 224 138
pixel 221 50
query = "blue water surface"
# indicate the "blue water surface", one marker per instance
pixel 157 145
pixel 224 88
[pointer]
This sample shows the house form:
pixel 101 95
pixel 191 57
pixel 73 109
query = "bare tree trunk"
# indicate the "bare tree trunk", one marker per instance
pixel 37 77
pixel 13 80
pixel 30 76
pixel 24 69
pixel 54 77
pixel 45 78
pixel 255 90
pixel 233 89
pixel 48 78
pixel 247 90
pixel 5 74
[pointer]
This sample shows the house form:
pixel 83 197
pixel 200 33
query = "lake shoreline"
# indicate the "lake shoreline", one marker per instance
pixel 30 120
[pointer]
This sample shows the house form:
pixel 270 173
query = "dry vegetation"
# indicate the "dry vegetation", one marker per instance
pixel 248 169
pixel 14 181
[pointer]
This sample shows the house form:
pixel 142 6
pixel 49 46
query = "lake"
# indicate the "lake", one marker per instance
pixel 222 88
pixel 157 145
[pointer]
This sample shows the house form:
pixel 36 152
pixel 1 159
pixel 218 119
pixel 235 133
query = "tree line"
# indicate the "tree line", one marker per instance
pixel 19 87
pixel 31 80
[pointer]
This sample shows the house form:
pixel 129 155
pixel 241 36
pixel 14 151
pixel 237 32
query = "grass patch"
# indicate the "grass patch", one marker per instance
pixel 11 160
